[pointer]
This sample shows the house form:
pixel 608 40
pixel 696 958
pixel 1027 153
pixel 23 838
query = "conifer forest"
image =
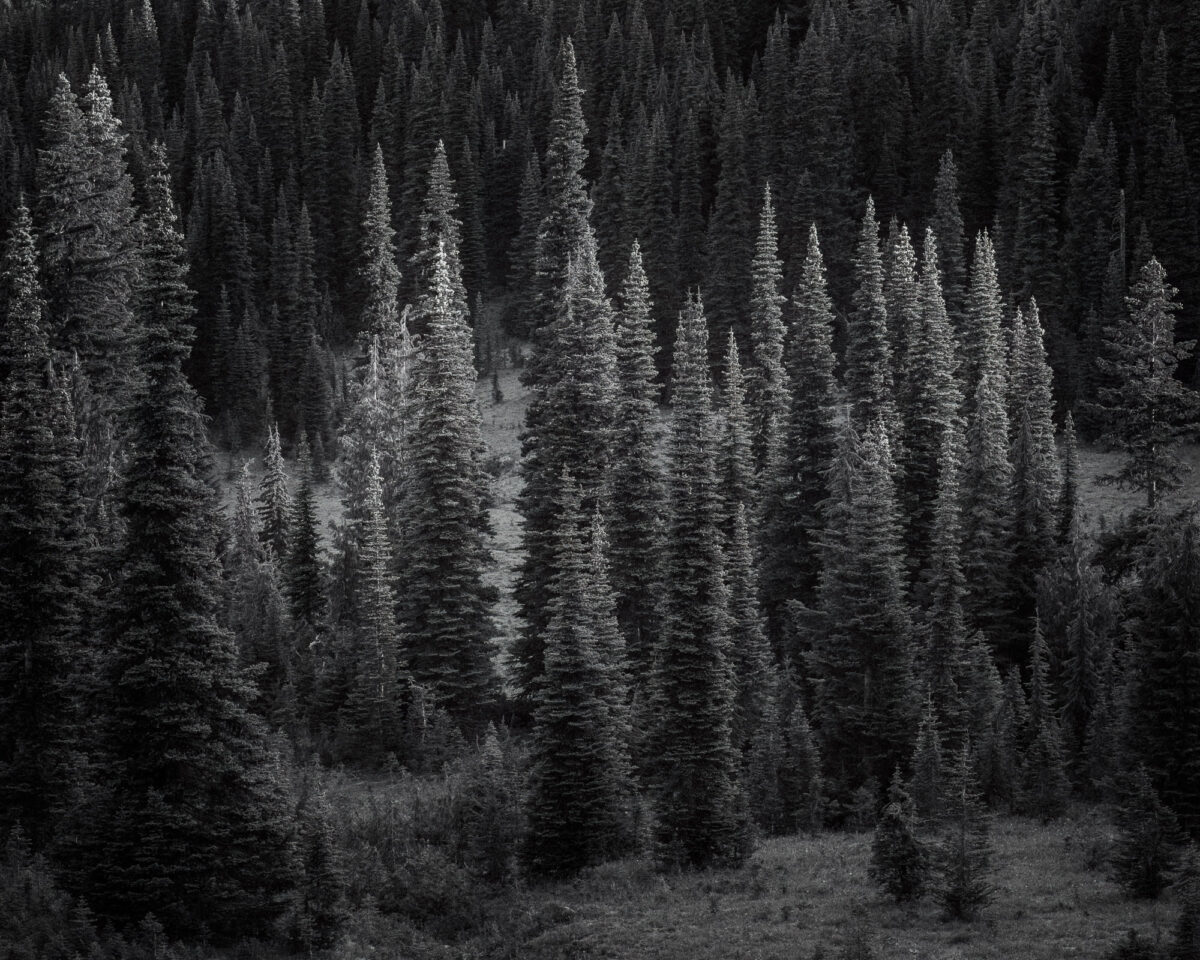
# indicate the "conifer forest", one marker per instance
pixel 553 479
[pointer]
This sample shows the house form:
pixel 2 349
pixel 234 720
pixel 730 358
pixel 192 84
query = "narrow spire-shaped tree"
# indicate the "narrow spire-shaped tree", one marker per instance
pixel 445 605
pixel 868 376
pixel 1149 410
pixel 305 581
pixel 380 276
pixel 796 485
pixel 275 502
pixel 41 551
pixel 767 385
pixel 981 341
pixel 578 808
pixel 635 524
pixel 749 652
pixel 695 785
pixel 735 467
pixel 195 825
pixel 947 224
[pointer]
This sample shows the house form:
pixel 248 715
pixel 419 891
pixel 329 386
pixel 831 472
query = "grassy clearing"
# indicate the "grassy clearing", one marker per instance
pixel 803 893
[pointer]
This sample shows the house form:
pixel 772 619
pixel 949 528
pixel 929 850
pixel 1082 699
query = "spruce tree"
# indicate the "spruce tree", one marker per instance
pixel 1150 411
pixel 1045 787
pixel 735 462
pixel 868 376
pixel 445 605
pixel 1146 850
pixel 981 342
pixel 795 487
pixel 368 723
pixel 801 779
pixel 767 387
pixel 275 501
pixel 862 660
pixel 305 579
pixel 380 276
pixel 694 783
pixel 964 852
pixel 947 224
pixel 928 785
pixel 194 826
pixel 749 653
pixel 899 861
pixel 42 546
pixel 578 807
pixel 635 525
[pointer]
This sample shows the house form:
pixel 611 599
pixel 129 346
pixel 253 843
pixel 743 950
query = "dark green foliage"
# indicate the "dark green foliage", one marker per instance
pixel 1148 838
pixel 694 783
pixel 899 861
pixel 193 824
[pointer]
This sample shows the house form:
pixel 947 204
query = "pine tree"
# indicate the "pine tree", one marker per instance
pixel 767 385
pixel 899 861
pixel 380 276
pixel 438 228
pixel 928 787
pixel 868 376
pixel 42 585
pixel 1150 411
pixel 578 808
pixel 635 524
pixel 981 343
pixel 445 604
pixel 523 253
pixel 749 653
pixel 862 661
pixel 796 487
pixel 964 852
pixel 195 827
pixel 801 779
pixel 1045 789
pixel 321 908
pixel 947 225
pixel 1068 499
pixel 275 501
pixel 695 774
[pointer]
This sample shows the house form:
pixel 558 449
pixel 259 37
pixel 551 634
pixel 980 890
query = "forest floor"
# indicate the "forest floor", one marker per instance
pixel 810 897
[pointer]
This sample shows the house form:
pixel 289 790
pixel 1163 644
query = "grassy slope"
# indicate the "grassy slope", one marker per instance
pixel 800 893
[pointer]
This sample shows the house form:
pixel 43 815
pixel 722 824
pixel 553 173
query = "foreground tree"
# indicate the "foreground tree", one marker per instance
pixel 695 785
pixel 41 553
pixel 194 824
pixel 579 808
pixel 964 851
pixel 1149 410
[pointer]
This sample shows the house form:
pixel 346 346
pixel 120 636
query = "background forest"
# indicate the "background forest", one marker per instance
pixel 558 478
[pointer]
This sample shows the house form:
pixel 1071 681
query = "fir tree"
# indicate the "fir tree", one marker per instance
pixel 1046 788
pixel 868 378
pixel 749 652
pixel 862 662
pixel 636 480
pixel 1146 850
pixel 928 787
pixel 321 908
pixel 899 861
pixel 947 224
pixel 195 827
pixel 305 580
pixel 578 812
pixel 445 604
pixel 1150 411
pixel 1068 499
pixel 695 784
pixel 41 552
pixel 801 779
pixel 735 462
pixel 767 385
pixel 980 341
pixel 275 501
pixel 964 852
pixel 796 487
pixel 380 276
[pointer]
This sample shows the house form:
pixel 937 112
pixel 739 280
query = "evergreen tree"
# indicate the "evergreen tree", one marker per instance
pixel 42 586
pixel 964 852
pixel 369 725
pixel 695 784
pixel 862 661
pixel 767 384
pixel 438 228
pixel 305 580
pixel 1068 499
pixel 749 651
pixel 635 524
pixel 928 786
pixel 195 826
pixel 947 225
pixel 445 604
pixel 320 909
pixel 868 373
pixel 802 781
pixel 796 486
pixel 380 276
pixel 735 462
pixel 1046 788
pixel 275 502
pixel 1148 838
pixel 578 808
pixel 1161 709
pixel 899 861
pixel 1150 411
pixel 981 342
